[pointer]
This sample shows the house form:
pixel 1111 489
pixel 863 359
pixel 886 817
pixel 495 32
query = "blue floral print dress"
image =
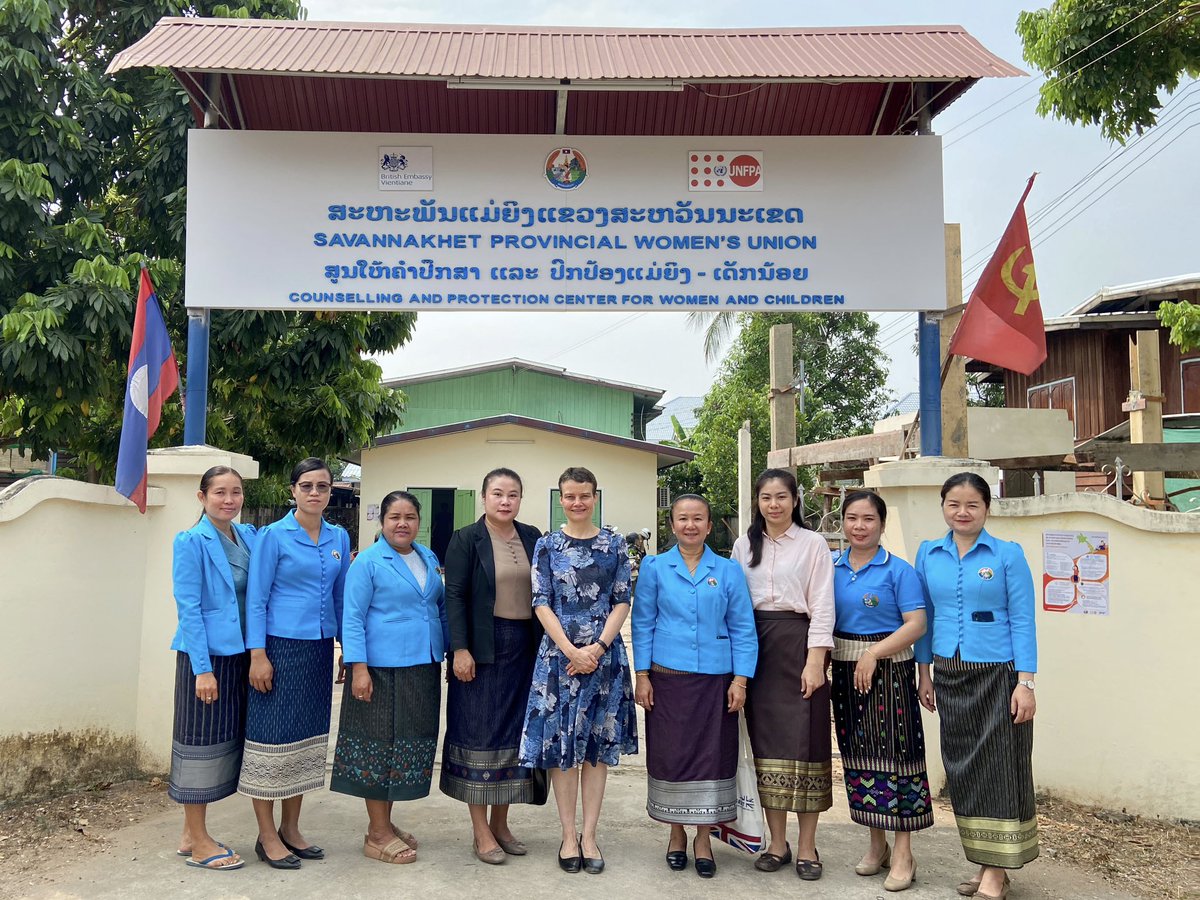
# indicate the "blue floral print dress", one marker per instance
pixel 581 718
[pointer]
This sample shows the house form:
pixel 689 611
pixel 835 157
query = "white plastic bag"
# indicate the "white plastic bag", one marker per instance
pixel 748 831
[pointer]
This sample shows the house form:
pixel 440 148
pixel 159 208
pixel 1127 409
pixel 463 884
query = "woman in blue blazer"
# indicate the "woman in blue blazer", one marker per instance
pixel 694 647
pixel 979 600
pixel 209 573
pixel 293 614
pixel 394 638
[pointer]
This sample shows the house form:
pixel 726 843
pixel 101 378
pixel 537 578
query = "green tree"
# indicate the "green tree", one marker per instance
pixel 1183 319
pixel 844 392
pixel 92 184
pixel 1107 63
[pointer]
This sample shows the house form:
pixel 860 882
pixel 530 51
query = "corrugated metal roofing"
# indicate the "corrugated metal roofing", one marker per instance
pixel 486 51
pixel 350 77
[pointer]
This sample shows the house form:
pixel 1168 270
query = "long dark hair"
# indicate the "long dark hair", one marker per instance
pixel 758 523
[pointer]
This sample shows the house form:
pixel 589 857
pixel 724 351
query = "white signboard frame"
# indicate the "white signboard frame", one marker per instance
pixel 309 221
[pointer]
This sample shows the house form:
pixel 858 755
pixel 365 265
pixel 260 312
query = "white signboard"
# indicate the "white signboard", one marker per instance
pixel 424 221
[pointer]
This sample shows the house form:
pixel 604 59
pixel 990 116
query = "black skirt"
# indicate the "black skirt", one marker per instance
pixel 483 725
pixel 989 761
pixel 207 738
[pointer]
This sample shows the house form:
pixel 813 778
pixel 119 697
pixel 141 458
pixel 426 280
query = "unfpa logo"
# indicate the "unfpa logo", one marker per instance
pixel 725 170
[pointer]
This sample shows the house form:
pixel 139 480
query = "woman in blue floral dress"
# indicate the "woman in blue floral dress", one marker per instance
pixel 581 716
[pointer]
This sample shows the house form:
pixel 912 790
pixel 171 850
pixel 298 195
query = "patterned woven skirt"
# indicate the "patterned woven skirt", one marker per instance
pixel 691 749
pixel 989 761
pixel 385 747
pixel 207 738
pixel 483 725
pixel 287 728
pixel 880 737
pixel 791 736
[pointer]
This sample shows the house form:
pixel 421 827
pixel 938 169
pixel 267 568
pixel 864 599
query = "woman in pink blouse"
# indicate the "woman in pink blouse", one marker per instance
pixel 790 574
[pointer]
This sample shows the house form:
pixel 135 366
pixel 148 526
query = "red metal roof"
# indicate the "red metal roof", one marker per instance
pixel 488 51
pixel 341 76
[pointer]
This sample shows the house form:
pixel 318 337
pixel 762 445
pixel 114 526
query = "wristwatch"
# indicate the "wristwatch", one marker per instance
pixel 1027 684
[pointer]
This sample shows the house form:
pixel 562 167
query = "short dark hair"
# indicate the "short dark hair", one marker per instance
pixel 580 475
pixel 971 480
pixel 395 497
pixel 310 464
pixel 502 473
pixel 871 497
pixel 682 497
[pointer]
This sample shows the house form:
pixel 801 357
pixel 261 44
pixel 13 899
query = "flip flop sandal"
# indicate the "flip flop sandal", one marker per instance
pixel 189 852
pixel 392 853
pixel 405 836
pixel 209 863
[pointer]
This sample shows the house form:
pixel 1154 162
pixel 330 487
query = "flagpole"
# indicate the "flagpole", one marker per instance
pixel 195 407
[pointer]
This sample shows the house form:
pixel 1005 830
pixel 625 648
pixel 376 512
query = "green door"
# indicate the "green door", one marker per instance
pixel 558 518
pixel 425 498
pixel 464 508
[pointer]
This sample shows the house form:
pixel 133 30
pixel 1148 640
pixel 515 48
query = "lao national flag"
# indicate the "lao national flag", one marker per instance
pixel 1002 323
pixel 153 377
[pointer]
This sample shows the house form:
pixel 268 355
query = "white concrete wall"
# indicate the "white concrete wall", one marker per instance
pixel 88 604
pixel 628 478
pixel 1115 724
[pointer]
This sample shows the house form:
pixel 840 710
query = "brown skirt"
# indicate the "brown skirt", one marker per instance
pixel 791 736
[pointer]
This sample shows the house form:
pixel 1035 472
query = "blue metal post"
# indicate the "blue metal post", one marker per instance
pixel 929 348
pixel 195 417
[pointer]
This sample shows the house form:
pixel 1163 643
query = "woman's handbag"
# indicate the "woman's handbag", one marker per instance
pixel 746 832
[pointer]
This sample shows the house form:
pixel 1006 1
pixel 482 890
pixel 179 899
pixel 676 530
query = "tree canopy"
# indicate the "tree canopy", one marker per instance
pixel 1108 63
pixel 844 392
pixel 92 184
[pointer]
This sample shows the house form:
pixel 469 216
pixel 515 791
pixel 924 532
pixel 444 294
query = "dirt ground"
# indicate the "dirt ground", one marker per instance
pixel 1152 858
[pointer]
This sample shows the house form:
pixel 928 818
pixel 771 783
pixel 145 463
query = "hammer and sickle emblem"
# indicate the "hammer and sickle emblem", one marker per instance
pixel 1026 293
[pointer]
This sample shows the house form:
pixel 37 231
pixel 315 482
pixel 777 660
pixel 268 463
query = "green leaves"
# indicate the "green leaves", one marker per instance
pixel 1183 319
pixel 1108 63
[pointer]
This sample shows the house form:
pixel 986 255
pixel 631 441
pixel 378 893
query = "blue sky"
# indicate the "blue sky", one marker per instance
pixel 1131 231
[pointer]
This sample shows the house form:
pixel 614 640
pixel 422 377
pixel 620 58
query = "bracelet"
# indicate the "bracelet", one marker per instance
pixel 600 641
pixel 872 652
pixel 740 684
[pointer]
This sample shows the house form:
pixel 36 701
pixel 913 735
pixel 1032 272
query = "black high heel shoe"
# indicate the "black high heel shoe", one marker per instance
pixel 677 860
pixel 291 861
pixel 311 852
pixel 571 864
pixel 705 868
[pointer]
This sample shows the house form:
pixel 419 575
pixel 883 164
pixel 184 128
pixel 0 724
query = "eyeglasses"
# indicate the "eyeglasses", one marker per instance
pixel 307 487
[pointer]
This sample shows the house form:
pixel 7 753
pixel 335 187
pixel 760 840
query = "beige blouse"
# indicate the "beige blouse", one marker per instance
pixel 795 575
pixel 514 586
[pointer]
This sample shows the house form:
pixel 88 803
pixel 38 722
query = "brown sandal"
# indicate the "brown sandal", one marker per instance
pixel 394 852
pixel 406 837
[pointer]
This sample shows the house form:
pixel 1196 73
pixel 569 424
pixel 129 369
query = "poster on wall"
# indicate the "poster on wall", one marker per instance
pixel 305 220
pixel 1075 572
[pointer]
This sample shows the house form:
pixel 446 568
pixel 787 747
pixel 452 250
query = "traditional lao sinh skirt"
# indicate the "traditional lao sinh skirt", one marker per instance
pixel 790 735
pixel 691 749
pixel 287 728
pixel 207 738
pixel 385 747
pixel 880 737
pixel 483 725
pixel 989 762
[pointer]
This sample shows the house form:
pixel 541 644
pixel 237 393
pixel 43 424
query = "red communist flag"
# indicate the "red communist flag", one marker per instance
pixel 1002 324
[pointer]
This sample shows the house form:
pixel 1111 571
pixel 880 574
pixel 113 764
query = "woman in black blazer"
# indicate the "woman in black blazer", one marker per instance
pixel 494 638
